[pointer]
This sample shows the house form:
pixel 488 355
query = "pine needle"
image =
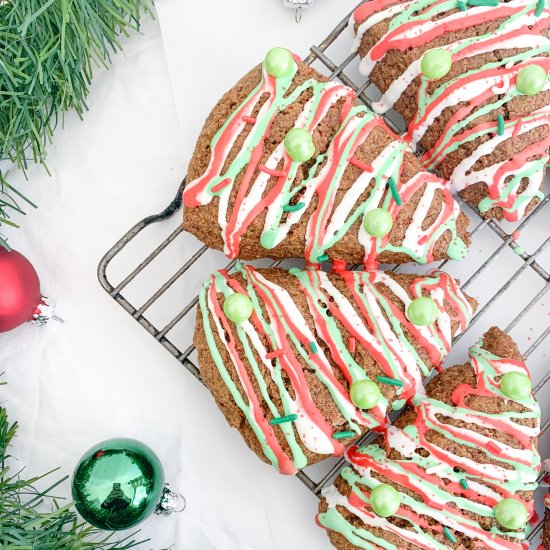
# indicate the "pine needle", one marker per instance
pixel 32 519
pixel 48 50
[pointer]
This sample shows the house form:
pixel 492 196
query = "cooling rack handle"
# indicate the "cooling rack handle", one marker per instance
pixel 168 212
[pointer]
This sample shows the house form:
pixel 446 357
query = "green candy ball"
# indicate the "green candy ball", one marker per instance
pixel 299 145
pixel 117 484
pixel 531 79
pixel 422 311
pixel 385 500
pixel 515 385
pixel 279 62
pixel 238 307
pixel 378 222
pixel 511 513
pixel 436 64
pixel 365 394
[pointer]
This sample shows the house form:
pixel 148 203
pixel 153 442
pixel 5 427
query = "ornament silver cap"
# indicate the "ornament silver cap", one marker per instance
pixel 170 502
pixel 298 5
pixel 44 312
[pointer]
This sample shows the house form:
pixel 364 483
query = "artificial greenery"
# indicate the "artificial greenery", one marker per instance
pixel 48 49
pixel 31 519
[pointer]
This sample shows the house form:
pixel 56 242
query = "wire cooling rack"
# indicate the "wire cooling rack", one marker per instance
pixel 510 283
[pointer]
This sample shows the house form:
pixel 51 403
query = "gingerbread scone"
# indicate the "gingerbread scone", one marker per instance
pixel 546 525
pixel 288 164
pixel 457 470
pixel 304 362
pixel 470 79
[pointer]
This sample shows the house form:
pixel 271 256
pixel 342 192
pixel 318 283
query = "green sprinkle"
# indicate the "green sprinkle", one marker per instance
pixel 395 192
pixel 449 535
pixel 461 6
pixel 313 347
pixel 540 7
pixel 293 207
pixel 500 122
pixel 323 258
pixel 283 419
pixel 464 484
pixel 390 381
pixel 492 3
pixel 343 435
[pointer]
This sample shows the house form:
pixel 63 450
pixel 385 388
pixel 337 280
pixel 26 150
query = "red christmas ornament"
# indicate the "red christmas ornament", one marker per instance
pixel 20 297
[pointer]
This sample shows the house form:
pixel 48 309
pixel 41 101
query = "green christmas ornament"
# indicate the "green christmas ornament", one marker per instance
pixel 515 385
pixel 378 222
pixel 238 307
pixel 436 64
pixel 279 62
pixel 511 513
pixel 385 500
pixel 119 483
pixel 422 311
pixel 365 394
pixel 299 145
pixel 531 79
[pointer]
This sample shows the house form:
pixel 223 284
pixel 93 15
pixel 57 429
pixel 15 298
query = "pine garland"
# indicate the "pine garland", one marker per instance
pixel 48 49
pixel 31 519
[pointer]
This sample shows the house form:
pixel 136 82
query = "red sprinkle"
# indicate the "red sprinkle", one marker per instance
pixel 361 165
pixel 221 185
pixel 273 354
pixel 277 173
pixel 249 119
pixel 494 448
pixel 516 235
pixel 517 127
pixel 338 266
pixel 352 344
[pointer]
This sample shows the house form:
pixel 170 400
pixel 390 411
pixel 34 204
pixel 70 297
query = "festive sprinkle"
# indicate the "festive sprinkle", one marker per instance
pixel 313 347
pixel 221 185
pixel 449 535
pixel 323 258
pixel 519 251
pixel 352 344
pixel 359 164
pixel 461 6
pixel 293 207
pixel 395 192
pixel 343 435
pixel 283 419
pixel 390 381
pixel 273 354
pixel 500 122
pixel 492 3
pixel 494 448
pixel 276 173
pixel 540 7
pixel 464 484
pixel 516 235
pixel 249 119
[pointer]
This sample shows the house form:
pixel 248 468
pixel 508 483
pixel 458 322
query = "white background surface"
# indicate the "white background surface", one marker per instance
pixel 100 375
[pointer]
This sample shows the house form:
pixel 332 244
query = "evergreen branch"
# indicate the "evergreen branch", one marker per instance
pixel 31 519
pixel 48 50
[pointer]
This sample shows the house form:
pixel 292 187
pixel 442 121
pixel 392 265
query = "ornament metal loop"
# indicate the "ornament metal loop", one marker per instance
pixel 169 502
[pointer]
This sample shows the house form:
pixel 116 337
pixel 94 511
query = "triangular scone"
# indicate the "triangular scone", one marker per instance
pixel 279 351
pixel 461 458
pixel 470 79
pixel 246 195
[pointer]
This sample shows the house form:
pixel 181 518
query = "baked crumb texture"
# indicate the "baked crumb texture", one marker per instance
pixel 473 125
pixel 458 450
